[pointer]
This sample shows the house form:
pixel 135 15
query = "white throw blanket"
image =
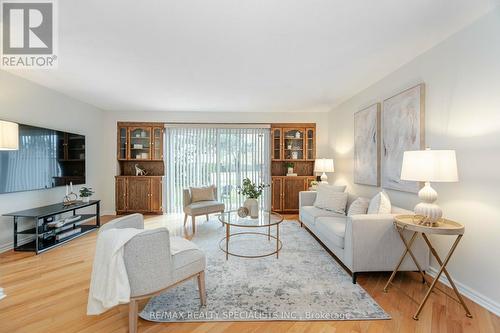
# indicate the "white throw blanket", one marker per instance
pixel 109 284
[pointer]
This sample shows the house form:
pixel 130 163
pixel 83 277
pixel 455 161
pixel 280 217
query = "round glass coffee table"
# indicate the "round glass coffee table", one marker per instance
pixel 266 219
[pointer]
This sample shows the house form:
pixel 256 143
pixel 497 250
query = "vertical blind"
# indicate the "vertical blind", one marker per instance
pixel 34 165
pixel 201 156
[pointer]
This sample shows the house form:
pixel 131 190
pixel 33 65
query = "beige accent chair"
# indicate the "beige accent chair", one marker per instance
pixel 194 209
pixel 156 262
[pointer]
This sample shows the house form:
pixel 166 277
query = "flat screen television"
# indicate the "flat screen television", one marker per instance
pixel 46 158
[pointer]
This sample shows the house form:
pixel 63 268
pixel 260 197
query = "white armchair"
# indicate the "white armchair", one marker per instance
pixel 198 208
pixel 156 262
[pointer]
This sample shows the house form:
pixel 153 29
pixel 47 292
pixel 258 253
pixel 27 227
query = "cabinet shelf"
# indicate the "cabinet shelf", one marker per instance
pixel 152 143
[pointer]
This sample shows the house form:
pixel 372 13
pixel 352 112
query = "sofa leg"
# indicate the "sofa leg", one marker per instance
pixel 301 225
pixel 132 316
pixel 201 288
pixel 185 219
pixel 423 277
pixel 354 276
pixel 193 218
pixel 207 216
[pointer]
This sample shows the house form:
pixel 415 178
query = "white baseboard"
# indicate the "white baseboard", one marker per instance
pixel 468 292
pixel 6 246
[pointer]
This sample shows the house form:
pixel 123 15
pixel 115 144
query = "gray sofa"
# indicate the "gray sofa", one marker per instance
pixel 363 243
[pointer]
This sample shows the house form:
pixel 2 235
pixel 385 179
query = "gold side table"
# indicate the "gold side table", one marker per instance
pixel 444 227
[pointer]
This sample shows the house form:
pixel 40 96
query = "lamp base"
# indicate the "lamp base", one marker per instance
pixel 430 212
pixel 324 178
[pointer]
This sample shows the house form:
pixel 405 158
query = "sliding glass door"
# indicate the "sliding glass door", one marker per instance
pixel 222 156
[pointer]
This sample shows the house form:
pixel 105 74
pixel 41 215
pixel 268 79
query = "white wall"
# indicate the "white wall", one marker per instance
pixel 28 103
pixel 110 166
pixel 462 77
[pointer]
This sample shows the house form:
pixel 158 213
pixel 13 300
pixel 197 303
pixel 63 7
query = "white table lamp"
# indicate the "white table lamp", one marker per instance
pixel 429 166
pixel 9 135
pixel 324 165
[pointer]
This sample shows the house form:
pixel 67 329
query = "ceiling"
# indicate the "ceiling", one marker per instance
pixel 230 55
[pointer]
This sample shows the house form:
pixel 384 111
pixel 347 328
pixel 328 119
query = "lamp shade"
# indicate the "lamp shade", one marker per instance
pixel 430 166
pixel 9 135
pixel 324 165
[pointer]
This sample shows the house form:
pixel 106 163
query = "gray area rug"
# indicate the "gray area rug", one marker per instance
pixel 305 283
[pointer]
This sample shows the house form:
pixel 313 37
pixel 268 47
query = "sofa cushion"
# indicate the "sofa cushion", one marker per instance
pixel 332 198
pixel 187 258
pixel 333 228
pixel 311 213
pixel 358 206
pixel 380 204
pixel 204 207
pixel 202 194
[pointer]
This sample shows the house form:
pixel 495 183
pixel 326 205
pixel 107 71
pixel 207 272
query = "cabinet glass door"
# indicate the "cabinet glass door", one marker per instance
pixel 122 143
pixel 294 143
pixel 277 144
pixel 310 144
pixel 140 143
pixel 157 143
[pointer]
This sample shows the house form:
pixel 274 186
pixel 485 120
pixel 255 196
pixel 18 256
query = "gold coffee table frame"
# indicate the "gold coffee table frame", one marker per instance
pixel 442 227
pixel 231 219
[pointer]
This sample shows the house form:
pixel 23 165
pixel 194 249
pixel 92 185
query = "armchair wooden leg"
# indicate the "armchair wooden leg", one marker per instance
pixel 132 316
pixel 201 288
pixel 193 218
pixel 185 219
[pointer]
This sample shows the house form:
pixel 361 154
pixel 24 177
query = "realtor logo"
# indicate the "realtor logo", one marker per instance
pixel 28 31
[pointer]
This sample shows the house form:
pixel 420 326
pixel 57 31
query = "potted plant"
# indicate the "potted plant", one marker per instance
pixel 252 192
pixel 86 193
pixel 289 166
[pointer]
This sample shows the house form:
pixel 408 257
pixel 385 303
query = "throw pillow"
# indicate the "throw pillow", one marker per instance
pixel 380 204
pixel 358 206
pixel 202 193
pixel 329 198
pixel 331 188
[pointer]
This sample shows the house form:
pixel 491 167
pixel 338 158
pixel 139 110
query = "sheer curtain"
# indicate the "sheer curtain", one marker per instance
pixel 223 156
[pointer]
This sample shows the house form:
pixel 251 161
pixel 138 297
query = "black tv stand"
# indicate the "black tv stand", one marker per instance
pixel 47 237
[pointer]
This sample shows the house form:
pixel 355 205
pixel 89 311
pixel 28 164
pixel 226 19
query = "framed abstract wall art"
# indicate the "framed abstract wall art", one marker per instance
pixel 366 146
pixel 403 126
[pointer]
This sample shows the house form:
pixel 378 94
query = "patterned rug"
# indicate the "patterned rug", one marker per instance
pixel 305 283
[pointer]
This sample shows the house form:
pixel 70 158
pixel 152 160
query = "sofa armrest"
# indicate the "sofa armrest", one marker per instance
pixel 307 198
pixel 186 197
pixel 372 243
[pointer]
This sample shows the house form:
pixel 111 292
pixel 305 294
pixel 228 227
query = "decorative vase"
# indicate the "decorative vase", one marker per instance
pixel 85 199
pixel 290 170
pixel 295 155
pixel 253 207
pixel 297 135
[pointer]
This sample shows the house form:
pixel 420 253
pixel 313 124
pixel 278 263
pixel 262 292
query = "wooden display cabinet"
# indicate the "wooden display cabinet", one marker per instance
pixel 140 144
pixel 291 143
pixel 139 194
pixel 285 192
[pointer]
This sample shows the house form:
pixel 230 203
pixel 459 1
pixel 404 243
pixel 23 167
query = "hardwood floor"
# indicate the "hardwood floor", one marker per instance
pixel 48 293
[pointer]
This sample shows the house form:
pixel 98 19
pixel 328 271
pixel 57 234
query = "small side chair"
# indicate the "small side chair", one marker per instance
pixel 152 267
pixel 198 208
